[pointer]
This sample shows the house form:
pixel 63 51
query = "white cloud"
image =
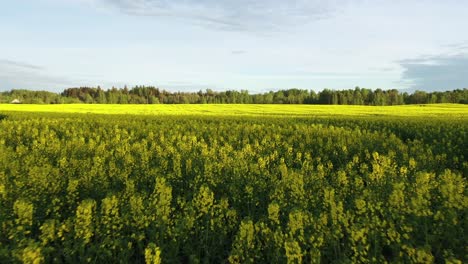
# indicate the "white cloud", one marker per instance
pixel 21 75
pixel 237 15
pixel 431 73
pixel 19 65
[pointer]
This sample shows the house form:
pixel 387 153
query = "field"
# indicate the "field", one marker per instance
pixel 233 183
pixel 441 110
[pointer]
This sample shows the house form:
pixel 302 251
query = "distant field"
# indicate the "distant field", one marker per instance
pixel 243 110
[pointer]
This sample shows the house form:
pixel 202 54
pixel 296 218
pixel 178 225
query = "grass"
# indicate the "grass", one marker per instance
pixel 433 110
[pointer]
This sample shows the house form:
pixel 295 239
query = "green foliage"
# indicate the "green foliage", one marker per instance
pixel 80 188
pixel 153 95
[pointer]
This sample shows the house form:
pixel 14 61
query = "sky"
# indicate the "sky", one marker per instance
pixel 255 45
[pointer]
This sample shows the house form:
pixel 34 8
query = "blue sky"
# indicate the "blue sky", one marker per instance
pixel 188 45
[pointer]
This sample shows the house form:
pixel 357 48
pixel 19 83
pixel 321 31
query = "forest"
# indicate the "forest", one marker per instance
pixel 90 188
pixel 153 95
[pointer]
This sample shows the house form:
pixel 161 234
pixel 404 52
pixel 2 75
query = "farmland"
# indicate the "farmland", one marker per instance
pixel 442 110
pixel 233 183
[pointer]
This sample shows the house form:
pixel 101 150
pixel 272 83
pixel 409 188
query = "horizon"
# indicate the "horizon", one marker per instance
pixel 258 46
pixel 204 90
pixel 161 89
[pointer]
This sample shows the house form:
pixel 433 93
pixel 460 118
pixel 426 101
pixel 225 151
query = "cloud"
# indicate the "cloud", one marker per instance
pixel 239 15
pixel 461 47
pixel 238 52
pixel 20 75
pixel 433 73
pixel 17 64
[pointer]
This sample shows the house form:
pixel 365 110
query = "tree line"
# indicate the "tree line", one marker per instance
pixel 154 95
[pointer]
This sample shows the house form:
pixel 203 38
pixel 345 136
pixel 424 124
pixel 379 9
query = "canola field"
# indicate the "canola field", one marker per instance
pixel 441 110
pixel 233 184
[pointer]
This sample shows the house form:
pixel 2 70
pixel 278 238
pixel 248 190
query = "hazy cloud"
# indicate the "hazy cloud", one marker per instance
pixel 20 75
pixel 232 15
pixel 238 52
pixel 433 73
pixel 462 46
pixel 17 64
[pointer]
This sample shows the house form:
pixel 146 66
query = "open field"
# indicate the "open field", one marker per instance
pixel 435 110
pixel 233 184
